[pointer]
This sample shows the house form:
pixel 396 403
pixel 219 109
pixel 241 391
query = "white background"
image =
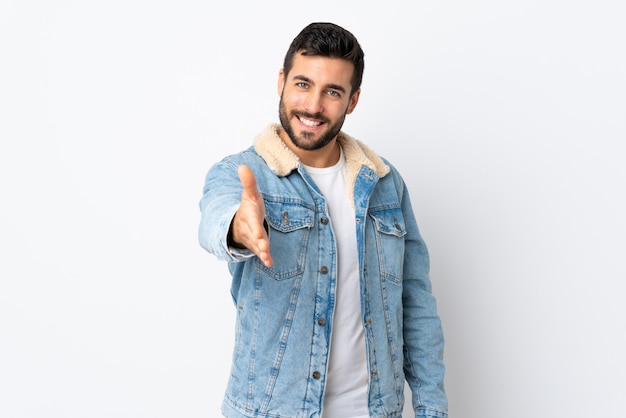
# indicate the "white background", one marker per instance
pixel 507 120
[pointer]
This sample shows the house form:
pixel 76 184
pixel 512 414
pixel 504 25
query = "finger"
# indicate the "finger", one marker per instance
pixel 264 255
pixel 256 240
pixel 259 243
pixel 266 259
pixel 264 250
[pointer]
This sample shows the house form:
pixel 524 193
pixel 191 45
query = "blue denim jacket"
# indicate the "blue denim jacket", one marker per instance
pixel 285 313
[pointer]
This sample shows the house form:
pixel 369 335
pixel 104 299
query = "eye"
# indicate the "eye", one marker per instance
pixel 302 84
pixel 333 93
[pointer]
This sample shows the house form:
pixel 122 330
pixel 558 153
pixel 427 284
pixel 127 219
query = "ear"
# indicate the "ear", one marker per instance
pixel 281 82
pixel 354 99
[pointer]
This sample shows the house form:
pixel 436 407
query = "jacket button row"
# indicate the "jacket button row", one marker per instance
pixel 316 375
pixel 324 220
pixel 324 270
pixel 321 322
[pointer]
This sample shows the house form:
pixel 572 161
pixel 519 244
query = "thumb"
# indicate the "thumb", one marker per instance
pixel 248 181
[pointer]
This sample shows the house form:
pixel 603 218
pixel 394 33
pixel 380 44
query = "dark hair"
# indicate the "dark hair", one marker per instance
pixel 328 40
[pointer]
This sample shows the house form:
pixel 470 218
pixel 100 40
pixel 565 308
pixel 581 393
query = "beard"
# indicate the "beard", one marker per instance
pixel 306 141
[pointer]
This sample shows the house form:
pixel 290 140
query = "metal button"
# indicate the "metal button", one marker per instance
pixel 316 375
pixel 324 220
pixel 324 270
pixel 321 322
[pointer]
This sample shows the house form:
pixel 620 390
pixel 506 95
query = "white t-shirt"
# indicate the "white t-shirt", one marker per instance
pixel 345 394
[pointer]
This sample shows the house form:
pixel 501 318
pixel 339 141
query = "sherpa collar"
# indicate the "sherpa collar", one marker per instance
pixel 283 161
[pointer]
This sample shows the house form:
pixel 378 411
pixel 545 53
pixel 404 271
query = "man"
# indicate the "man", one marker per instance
pixel 329 271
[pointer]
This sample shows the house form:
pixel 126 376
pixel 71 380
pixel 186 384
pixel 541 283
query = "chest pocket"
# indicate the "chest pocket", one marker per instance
pixel 389 230
pixel 289 230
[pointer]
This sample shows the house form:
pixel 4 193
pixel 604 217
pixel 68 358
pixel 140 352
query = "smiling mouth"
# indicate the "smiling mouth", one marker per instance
pixel 311 123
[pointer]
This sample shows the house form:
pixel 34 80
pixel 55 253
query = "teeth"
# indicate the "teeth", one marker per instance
pixel 310 123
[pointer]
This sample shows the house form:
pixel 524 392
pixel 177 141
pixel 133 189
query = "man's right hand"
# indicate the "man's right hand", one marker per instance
pixel 248 228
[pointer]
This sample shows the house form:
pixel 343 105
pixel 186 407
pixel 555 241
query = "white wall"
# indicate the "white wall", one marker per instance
pixel 507 120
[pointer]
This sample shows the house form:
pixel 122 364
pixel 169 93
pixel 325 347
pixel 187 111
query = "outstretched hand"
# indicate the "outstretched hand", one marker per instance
pixel 248 228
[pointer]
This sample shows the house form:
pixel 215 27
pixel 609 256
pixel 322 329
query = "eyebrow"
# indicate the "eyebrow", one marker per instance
pixel 329 86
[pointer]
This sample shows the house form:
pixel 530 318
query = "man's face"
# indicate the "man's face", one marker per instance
pixel 315 99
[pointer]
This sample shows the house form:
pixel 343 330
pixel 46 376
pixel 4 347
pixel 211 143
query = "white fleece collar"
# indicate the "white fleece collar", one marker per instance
pixel 283 161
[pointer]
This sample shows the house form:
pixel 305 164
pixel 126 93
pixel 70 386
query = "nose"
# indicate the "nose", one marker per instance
pixel 313 102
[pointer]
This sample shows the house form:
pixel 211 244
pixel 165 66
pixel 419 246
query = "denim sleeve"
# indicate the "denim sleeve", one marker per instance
pixel 423 335
pixel 221 197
